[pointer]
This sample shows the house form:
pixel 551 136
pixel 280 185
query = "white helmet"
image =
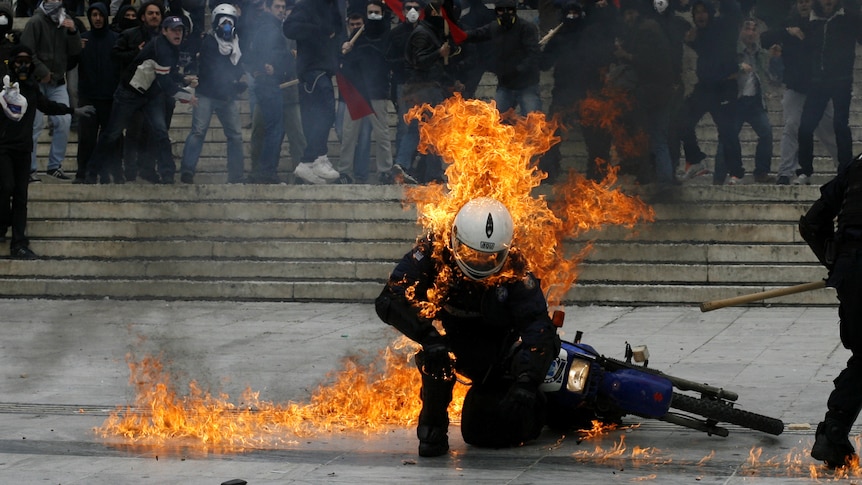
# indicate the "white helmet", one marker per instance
pixel 219 13
pixel 660 5
pixel 481 237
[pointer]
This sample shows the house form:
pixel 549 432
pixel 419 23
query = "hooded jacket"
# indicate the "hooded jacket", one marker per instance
pixel 126 48
pixel 514 50
pixel 98 74
pixel 54 46
pixel 217 75
pixel 715 44
pixel 830 43
pixel 317 27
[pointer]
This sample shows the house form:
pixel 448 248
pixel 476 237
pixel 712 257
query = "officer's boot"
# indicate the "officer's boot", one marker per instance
pixel 434 417
pixel 831 443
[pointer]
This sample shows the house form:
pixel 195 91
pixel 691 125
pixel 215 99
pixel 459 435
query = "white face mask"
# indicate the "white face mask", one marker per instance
pixel 412 16
pixel 375 16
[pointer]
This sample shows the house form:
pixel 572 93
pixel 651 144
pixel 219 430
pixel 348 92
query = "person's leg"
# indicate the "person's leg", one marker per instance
pixel 841 97
pixel 228 115
pixel 658 120
pixel 696 106
pixel 825 132
pixel 317 105
pixel 272 116
pixel 88 133
pixel 349 138
pixel 20 172
pixel 293 133
pixel 529 99
pixel 506 99
pixel 758 118
pixel 155 111
pixel 62 124
pixel 725 117
pixel 381 134
pixel 791 104
pixel 812 111
pixel 124 107
pixel 201 118
pixel 7 188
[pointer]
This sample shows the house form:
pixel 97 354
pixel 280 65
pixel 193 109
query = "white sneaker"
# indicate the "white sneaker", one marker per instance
pixel 734 180
pixel 802 180
pixel 306 173
pixel 694 170
pixel 323 169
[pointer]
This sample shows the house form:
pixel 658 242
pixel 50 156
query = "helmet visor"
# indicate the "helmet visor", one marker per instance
pixel 478 264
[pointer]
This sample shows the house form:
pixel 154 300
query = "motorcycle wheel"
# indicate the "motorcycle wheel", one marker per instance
pixel 723 412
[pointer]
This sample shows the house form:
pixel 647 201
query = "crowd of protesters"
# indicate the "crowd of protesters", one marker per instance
pixel 312 66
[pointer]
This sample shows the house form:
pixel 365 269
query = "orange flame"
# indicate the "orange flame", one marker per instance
pixel 362 397
pixel 608 111
pixel 488 156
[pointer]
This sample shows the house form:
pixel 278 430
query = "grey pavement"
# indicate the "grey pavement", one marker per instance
pixel 64 370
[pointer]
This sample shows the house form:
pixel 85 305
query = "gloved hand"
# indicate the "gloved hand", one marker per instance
pixel 520 398
pixel 240 87
pixel 434 361
pixel 85 111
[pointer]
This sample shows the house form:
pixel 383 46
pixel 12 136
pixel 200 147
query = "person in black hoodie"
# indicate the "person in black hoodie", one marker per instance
pixel 514 49
pixel 149 94
pixel 714 40
pixel 98 77
pixel 16 145
pixel 830 37
pixel 219 77
pixel 316 26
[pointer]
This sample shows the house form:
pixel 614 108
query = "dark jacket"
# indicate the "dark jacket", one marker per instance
pixel 514 50
pixel 830 44
pixel 18 135
pixel 651 59
pixel 165 54
pixel 715 44
pixel 126 48
pixel 481 321
pixel 317 28
pixel 422 52
pixel 366 67
pixel 98 74
pixel 54 46
pixel 217 75
pixel 796 74
pixel 267 46
pixel 395 51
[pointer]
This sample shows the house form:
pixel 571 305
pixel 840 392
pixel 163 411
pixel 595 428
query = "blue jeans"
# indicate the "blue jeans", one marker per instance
pixel 317 104
pixel 228 115
pixel 126 103
pixel 657 127
pixel 62 123
pixel 271 109
pixel 527 98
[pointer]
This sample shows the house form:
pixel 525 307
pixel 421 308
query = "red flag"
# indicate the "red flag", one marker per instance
pixel 397 8
pixel 457 34
pixel 356 103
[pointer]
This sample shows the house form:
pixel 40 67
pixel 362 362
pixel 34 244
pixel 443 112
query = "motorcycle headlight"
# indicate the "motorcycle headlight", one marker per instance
pixel 578 373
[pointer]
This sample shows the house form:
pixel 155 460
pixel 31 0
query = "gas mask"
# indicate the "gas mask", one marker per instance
pixel 506 17
pixel 412 15
pixel 226 30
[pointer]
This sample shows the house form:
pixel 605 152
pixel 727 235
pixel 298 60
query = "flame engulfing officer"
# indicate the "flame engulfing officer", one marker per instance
pixel 495 323
pixel 841 252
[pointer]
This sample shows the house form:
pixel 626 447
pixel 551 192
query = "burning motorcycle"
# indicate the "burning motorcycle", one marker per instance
pixel 582 379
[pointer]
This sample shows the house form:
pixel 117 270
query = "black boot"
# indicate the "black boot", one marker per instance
pixel 433 440
pixel 831 444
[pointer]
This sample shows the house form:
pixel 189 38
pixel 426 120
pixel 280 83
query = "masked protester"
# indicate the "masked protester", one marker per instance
pixel 219 85
pixel 412 11
pixel 497 330
pixel 839 251
pixel 21 98
pixel 515 54
pixel 126 18
pixel 54 39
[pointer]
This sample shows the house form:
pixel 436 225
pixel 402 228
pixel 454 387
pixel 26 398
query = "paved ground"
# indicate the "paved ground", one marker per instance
pixel 63 369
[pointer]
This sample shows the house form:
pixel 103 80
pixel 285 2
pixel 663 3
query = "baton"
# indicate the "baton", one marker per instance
pixel 544 40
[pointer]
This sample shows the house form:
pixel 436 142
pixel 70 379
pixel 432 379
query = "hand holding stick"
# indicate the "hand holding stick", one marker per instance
pixel 349 44
pixel 544 40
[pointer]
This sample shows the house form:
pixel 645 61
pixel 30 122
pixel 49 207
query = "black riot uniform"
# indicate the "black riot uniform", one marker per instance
pixel 501 336
pixel 840 250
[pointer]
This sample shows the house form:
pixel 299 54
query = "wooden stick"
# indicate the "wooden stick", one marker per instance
pixel 544 40
pixel 288 84
pixel 709 306
pixel 353 40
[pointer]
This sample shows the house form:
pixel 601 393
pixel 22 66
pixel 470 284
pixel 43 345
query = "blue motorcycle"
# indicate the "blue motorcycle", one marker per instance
pixel 582 384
